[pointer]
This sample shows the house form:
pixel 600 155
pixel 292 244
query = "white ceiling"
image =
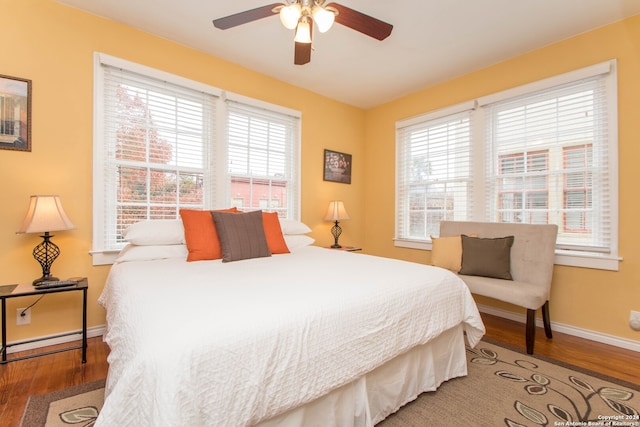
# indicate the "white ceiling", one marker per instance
pixel 432 40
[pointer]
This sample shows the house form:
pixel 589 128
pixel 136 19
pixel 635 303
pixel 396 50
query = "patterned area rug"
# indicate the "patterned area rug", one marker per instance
pixel 75 406
pixel 503 388
pixel 510 388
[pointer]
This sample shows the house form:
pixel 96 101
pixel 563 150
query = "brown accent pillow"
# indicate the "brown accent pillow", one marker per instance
pixel 488 257
pixel 241 235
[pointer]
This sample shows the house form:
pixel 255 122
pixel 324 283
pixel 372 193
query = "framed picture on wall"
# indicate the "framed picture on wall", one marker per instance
pixel 15 113
pixel 337 166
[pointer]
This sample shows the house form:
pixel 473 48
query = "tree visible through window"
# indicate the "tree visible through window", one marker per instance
pixel 153 181
pixel 158 148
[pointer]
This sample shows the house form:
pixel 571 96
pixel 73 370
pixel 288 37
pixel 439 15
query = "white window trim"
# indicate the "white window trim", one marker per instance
pixel 563 257
pixel 104 257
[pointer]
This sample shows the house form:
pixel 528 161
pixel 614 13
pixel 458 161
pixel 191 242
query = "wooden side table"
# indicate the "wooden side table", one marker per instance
pixel 346 248
pixel 24 290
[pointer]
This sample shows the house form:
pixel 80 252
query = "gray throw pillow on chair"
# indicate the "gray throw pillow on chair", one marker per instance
pixel 488 257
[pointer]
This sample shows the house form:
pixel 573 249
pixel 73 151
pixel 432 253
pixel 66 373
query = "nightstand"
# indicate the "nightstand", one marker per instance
pixel 25 290
pixel 346 248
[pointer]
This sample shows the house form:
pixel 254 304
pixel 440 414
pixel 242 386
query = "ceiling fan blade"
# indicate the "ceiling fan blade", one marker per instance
pixel 245 17
pixel 302 53
pixel 358 21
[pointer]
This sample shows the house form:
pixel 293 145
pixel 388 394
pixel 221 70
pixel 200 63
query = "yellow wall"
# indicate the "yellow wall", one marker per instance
pixel 53 45
pixel 591 299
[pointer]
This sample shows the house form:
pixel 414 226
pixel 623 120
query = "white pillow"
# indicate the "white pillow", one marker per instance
pixel 155 232
pixel 295 241
pixel 291 226
pixel 148 253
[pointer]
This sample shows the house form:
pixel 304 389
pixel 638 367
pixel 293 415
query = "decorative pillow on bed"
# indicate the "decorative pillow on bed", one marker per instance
pixel 446 252
pixel 155 232
pixel 241 235
pixel 273 233
pixel 295 241
pixel 292 226
pixel 488 257
pixel 201 235
pixel 151 252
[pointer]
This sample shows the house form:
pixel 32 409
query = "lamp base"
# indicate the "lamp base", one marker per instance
pixel 45 253
pixel 336 230
pixel 45 279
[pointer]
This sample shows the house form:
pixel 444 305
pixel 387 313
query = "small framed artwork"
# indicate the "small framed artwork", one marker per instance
pixel 15 113
pixel 337 167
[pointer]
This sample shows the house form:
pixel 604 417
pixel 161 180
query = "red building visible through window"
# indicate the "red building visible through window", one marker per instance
pixel 255 193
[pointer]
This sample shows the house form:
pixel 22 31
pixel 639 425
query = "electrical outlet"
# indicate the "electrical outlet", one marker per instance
pixel 23 319
pixel 634 320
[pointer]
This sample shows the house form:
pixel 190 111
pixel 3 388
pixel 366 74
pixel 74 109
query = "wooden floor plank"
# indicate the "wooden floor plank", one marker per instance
pixel 40 375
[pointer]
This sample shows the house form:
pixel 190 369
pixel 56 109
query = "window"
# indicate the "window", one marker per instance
pixel 434 176
pixel 260 146
pixel 162 143
pixel 542 153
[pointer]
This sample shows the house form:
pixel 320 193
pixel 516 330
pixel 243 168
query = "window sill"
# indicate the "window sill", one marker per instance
pixel 104 257
pixel 563 257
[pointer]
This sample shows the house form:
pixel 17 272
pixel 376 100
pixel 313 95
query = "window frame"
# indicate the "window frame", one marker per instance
pixel 217 158
pixel 564 254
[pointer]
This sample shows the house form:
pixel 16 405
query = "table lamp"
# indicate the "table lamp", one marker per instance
pixel 45 214
pixel 336 212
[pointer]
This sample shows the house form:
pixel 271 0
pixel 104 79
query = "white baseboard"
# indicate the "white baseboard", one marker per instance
pixel 54 340
pixel 565 329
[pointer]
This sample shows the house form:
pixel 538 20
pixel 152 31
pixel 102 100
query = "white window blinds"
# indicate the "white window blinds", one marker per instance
pixel 158 140
pixel 547 162
pixel 262 159
pixel 434 175
pixel 545 152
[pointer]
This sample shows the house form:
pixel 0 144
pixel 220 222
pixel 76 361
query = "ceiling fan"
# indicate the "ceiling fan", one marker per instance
pixel 301 14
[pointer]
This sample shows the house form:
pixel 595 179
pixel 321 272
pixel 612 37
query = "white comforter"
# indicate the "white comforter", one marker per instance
pixel 232 344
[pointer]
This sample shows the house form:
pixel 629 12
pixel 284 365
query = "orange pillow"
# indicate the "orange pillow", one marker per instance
pixel 201 235
pixel 273 233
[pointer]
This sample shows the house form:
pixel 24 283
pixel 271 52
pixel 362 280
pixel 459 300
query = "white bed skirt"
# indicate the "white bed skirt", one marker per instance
pixel 372 397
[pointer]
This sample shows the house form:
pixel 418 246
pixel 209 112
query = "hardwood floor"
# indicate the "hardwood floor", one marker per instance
pixel 19 380
pixel 40 375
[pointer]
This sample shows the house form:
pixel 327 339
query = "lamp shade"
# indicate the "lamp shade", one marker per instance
pixel 289 15
pixel 45 214
pixel 323 18
pixel 336 211
pixel 303 31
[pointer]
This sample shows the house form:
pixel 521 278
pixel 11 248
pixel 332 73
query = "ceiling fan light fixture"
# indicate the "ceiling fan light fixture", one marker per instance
pixel 323 18
pixel 289 15
pixel 303 31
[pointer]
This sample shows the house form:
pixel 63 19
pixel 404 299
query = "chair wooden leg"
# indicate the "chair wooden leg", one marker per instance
pixel 546 320
pixel 531 330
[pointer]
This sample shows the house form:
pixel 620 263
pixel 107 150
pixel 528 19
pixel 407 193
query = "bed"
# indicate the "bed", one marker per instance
pixel 313 337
